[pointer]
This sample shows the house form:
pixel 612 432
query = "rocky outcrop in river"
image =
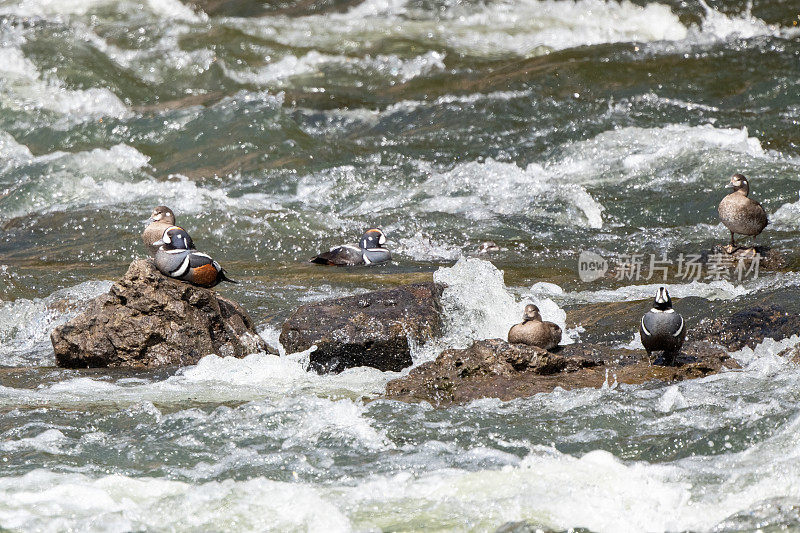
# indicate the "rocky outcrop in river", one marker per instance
pixel 147 320
pixel 372 329
pixel 496 369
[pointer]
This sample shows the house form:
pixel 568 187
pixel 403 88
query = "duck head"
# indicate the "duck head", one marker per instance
pixel 372 238
pixel 739 183
pixel 662 301
pixel 531 313
pixel 175 238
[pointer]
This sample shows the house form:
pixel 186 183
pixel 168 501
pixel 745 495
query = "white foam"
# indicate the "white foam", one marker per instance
pixel 671 399
pixel 712 290
pixel 389 65
pixel 63 180
pixel 523 28
pixel 12 154
pixel 49 441
pixel 786 216
pixel 171 9
pixel 482 190
pixel 547 488
pixel 477 305
pixel 45 501
pixel 23 88
pixel 25 325
pixel 764 358
pixel 423 247
pixel 476 302
pixel 174 9
pixel 214 379
pixel 744 25
pixel 650 154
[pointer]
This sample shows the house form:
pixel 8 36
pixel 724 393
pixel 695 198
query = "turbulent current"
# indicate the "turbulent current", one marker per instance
pixel 277 129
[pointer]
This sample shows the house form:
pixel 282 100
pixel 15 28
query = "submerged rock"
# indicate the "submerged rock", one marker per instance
pixel 496 369
pixel 371 329
pixel 147 320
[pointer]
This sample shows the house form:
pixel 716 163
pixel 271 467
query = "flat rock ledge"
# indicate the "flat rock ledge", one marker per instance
pixel 375 329
pixel 149 320
pixel 494 368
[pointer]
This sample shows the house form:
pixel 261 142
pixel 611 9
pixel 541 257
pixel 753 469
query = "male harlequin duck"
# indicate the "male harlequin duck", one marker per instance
pixel 160 221
pixel 369 251
pixel 177 258
pixel 662 329
pixel 741 214
pixel 534 331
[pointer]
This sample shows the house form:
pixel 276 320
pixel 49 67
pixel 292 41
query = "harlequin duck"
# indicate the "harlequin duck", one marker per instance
pixel 369 251
pixel 177 258
pixel 741 214
pixel 662 329
pixel 534 331
pixel 160 221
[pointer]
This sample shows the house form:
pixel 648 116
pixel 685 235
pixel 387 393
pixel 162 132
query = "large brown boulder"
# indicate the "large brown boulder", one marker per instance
pixel 371 329
pixel 147 320
pixel 494 368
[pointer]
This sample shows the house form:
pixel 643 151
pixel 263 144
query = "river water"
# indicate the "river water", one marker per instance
pixel 277 129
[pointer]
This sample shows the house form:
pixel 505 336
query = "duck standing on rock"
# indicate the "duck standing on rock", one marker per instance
pixel 369 251
pixel 177 258
pixel 741 214
pixel 160 221
pixel 533 331
pixel 662 329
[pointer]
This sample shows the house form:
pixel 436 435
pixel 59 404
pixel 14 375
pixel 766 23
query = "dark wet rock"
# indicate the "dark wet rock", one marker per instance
pixel 743 257
pixel 148 320
pixel 748 327
pixel 496 369
pixel 371 329
pixel 608 321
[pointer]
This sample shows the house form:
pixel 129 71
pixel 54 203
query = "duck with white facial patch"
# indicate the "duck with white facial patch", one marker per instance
pixel 741 214
pixel 662 329
pixel 177 258
pixel 160 221
pixel 369 251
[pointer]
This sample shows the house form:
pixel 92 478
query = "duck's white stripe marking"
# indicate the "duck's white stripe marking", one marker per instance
pixel 644 328
pixel 201 254
pixel 181 269
pixel 376 249
pixel 176 251
pixel 654 310
pixel 366 259
pixel 679 329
